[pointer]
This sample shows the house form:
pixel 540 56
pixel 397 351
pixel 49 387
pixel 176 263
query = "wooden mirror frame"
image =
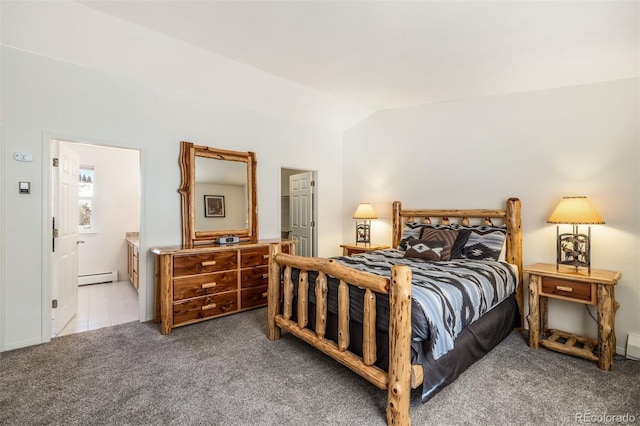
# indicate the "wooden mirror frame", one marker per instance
pixel 187 160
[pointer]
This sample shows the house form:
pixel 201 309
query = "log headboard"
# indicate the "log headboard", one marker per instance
pixel 509 216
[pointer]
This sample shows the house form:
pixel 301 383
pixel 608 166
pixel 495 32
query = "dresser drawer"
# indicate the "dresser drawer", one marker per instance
pixel 573 290
pixel 254 257
pixel 194 264
pixel 254 277
pixel 258 256
pixel 202 285
pixel 204 307
pixel 253 297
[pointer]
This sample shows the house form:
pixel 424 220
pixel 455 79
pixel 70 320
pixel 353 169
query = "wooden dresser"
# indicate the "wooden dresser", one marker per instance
pixel 208 281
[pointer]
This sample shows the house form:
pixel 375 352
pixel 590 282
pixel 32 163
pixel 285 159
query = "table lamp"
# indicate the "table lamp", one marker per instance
pixel 574 248
pixel 363 230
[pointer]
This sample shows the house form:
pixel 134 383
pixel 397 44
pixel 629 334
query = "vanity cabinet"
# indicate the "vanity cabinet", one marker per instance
pixel 208 281
pixel 133 259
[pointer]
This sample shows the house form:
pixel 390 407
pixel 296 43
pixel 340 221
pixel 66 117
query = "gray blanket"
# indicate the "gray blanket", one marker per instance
pixel 447 296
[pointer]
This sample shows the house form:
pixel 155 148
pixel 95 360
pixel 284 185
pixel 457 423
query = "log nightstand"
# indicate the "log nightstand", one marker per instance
pixel 349 249
pixel 596 288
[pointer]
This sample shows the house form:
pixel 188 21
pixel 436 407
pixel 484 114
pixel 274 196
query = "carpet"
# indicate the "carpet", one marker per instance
pixel 226 372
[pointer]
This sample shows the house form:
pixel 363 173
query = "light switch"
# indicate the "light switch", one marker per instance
pixel 24 187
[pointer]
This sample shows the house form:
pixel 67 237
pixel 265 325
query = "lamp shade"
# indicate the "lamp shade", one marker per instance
pixel 575 211
pixel 365 211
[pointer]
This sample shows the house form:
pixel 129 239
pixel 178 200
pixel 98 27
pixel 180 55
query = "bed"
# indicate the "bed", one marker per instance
pixel 371 312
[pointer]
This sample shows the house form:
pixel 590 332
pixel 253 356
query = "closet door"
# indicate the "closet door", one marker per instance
pixel 301 210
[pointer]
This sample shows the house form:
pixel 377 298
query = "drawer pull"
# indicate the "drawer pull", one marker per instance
pixel 265 256
pixel 209 263
pixel 265 275
pixel 209 285
pixel 209 306
pixel 563 288
pixel 265 294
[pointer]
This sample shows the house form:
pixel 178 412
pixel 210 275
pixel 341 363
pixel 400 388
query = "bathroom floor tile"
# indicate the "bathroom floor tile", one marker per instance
pixel 103 305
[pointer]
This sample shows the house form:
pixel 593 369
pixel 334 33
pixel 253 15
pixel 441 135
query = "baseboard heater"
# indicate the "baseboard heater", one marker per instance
pixel 633 346
pixel 103 277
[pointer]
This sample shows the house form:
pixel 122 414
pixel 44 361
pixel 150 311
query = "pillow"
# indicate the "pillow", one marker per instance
pixel 458 244
pixel 503 252
pixel 410 230
pixel 448 236
pixel 423 249
pixel 485 242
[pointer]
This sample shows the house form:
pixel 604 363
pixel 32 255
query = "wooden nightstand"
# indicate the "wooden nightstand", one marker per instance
pixel 596 288
pixel 349 249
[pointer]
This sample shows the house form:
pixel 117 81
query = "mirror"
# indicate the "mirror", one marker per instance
pixel 221 195
pixel 218 192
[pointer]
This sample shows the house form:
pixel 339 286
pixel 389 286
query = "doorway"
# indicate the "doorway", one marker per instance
pixel 298 207
pixel 91 222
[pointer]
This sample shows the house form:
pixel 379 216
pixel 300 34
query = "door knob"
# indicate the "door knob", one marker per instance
pixel 80 241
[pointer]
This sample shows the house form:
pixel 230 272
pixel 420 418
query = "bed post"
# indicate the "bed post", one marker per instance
pixel 399 375
pixel 397 225
pixel 273 291
pixel 514 249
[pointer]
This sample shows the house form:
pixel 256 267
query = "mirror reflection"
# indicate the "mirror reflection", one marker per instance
pixel 221 194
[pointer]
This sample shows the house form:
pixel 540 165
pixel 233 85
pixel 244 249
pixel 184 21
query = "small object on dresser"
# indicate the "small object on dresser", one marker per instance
pixel 228 240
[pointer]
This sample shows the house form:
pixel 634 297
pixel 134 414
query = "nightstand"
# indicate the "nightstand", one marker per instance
pixel 349 249
pixel 596 288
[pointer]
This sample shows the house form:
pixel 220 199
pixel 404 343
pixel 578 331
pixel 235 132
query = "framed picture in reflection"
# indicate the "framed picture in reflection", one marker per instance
pixel 214 206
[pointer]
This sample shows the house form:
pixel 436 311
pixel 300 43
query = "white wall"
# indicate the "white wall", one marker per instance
pixel 537 146
pixel 115 208
pixel 43 96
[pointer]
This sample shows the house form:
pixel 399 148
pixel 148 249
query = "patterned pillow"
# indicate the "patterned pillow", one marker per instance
pixel 423 249
pixel 458 244
pixel 485 242
pixel 410 230
pixel 448 236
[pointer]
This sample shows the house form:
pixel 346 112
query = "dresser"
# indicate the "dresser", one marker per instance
pixel 209 281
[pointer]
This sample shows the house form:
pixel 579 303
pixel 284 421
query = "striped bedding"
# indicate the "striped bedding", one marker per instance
pixel 447 296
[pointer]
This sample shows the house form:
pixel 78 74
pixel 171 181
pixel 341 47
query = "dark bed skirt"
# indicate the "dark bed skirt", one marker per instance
pixel 472 343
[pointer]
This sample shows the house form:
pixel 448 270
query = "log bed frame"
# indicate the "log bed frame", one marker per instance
pixel 401 375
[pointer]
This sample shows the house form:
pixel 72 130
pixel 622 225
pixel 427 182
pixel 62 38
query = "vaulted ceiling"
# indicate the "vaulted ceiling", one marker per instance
pixel 392 54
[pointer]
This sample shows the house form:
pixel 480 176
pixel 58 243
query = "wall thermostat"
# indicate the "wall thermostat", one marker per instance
pixel 228 240
pixel 22 156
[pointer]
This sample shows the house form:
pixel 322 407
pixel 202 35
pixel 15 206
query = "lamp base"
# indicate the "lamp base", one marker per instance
pixel 573 249
pixel 363 233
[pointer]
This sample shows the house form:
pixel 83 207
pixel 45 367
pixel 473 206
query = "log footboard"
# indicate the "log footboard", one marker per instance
pixel 401 375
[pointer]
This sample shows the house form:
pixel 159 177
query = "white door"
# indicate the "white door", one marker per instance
pixel 66 210
pixel 301 210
